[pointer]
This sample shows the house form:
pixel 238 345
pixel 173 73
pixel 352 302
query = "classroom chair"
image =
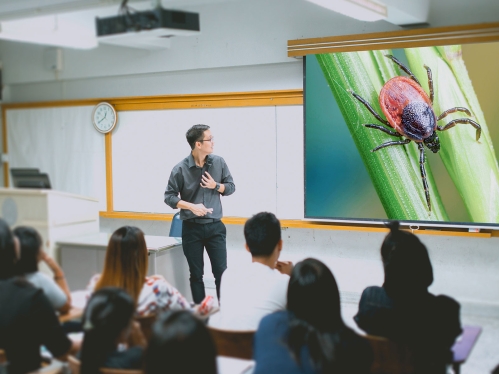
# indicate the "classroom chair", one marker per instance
pixel 238 344
pixel 396 358
pixel 176 226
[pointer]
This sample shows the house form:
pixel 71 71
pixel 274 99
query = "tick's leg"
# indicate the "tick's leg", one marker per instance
pixel 453 110
pixel 388 144
pixel 454 122
pixel 381 128
pixel 404 68
pixel 370 108
pixel 430 83
pixel 423 174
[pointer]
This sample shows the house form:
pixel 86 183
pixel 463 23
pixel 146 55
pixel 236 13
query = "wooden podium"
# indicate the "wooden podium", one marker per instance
pixel 53 214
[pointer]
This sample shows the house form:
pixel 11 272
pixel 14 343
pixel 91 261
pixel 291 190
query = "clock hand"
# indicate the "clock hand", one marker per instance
pixel 103 118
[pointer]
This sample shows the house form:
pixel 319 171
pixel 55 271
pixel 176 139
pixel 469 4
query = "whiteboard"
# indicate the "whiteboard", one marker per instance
pixel 147 144
pixel 62 142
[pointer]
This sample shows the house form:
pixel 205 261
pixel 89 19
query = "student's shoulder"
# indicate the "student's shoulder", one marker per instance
pixel 447 303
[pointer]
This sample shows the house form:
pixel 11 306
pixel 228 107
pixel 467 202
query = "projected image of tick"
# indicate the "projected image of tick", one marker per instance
pixel 409 111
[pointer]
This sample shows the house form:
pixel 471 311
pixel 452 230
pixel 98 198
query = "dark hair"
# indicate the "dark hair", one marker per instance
pixel 181 341
pixel 406 263
pixel 126 261
pixel 106 316
pixel 315 314
pixel 8 255
pixel 30 242
pixel 262 233
pixel 195 134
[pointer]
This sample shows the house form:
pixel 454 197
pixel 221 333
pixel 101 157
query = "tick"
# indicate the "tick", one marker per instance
pixel 409 111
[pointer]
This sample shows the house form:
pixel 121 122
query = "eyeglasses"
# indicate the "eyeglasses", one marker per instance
pixel 212 139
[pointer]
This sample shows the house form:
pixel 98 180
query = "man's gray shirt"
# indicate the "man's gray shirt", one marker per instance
pixel 185 179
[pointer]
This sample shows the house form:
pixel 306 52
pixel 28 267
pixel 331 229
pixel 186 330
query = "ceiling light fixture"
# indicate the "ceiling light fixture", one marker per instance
pixel 363 10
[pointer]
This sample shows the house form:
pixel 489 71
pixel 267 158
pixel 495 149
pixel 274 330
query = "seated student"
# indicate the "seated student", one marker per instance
pixel 125 267
pixel 56 290
pixel 180 343
pixel 249 292
pixel 310 336
pixel 107 322
pixel 403 309
pixel 27 320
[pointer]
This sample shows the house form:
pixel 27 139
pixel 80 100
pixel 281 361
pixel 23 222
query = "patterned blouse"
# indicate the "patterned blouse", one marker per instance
pixel 157 295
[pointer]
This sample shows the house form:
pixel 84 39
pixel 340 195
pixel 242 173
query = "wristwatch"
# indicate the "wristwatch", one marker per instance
pixel 217 187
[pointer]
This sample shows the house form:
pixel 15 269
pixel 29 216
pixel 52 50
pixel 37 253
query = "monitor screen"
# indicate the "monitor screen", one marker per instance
pixel 404 134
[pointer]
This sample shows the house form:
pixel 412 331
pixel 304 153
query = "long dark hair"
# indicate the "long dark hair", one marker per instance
pixel 126 261
pixel 107 315
pixel 183 343
pixel 30 242
pixel 315 318
pixel 8 255
pixel 406 263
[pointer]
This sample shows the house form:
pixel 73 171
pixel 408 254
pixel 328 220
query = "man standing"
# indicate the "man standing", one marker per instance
pixel 200 179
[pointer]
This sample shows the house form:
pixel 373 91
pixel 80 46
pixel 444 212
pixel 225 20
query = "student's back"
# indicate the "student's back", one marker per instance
pixel 310 337
pixel 403 309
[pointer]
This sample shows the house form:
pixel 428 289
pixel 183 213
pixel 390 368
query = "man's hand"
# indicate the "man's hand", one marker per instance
pixel 285 267
pixel 207 181
pixel 200 210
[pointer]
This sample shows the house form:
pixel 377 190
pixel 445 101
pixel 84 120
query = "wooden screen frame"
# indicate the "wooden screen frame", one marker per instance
pixel 449 35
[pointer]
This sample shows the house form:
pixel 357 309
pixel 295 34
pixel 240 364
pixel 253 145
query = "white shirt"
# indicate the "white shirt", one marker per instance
pixel 249 293
pixel 54 293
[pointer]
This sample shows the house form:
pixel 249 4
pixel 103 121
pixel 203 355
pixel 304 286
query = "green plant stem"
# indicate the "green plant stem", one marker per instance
pixel 471 165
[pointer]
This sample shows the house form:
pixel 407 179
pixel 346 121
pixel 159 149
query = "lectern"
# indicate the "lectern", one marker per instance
pixel 53 214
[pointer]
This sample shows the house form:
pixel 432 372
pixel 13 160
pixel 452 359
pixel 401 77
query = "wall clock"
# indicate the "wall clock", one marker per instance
pixel 104 117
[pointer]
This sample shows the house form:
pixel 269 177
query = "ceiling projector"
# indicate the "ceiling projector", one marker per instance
pixel 149 29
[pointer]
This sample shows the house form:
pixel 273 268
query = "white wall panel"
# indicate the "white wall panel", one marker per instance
pixel 290 161
pixel 148 144
pixel 63 143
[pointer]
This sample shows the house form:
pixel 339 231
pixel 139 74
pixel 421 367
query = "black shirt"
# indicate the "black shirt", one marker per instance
pixel 185 180
pixel 427 323
pixel 27 321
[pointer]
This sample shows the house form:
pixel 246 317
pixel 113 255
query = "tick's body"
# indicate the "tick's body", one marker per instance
pixel 409 110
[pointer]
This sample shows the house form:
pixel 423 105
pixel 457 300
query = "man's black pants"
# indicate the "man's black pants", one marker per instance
pixel 196 237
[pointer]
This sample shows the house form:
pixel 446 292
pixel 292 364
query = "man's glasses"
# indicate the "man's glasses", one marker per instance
pixel 212 139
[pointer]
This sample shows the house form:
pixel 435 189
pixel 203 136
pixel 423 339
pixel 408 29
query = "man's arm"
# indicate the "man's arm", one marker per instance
pixel 198 209
pixel 227 186
pixel 172 199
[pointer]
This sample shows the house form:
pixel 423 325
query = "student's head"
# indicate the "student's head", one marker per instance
pixel 8 252
pixel 263 234
pixel 406 263
pixel 106 320
pixel 183 343
pixel 314 305
pixel 196 134
pixel 126 261
pixel 31 244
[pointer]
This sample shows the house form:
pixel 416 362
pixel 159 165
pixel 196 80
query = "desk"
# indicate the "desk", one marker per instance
pixel 83 256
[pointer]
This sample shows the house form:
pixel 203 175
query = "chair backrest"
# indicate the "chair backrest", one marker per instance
pixel 176 226
pixel 146 323
pixel 230 343
pixel 74 366
pixel 390 357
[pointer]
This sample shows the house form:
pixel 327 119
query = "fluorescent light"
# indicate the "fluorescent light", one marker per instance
pixel 364 10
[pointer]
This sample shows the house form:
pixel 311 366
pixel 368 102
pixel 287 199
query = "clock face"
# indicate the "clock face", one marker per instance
pixel 104 117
